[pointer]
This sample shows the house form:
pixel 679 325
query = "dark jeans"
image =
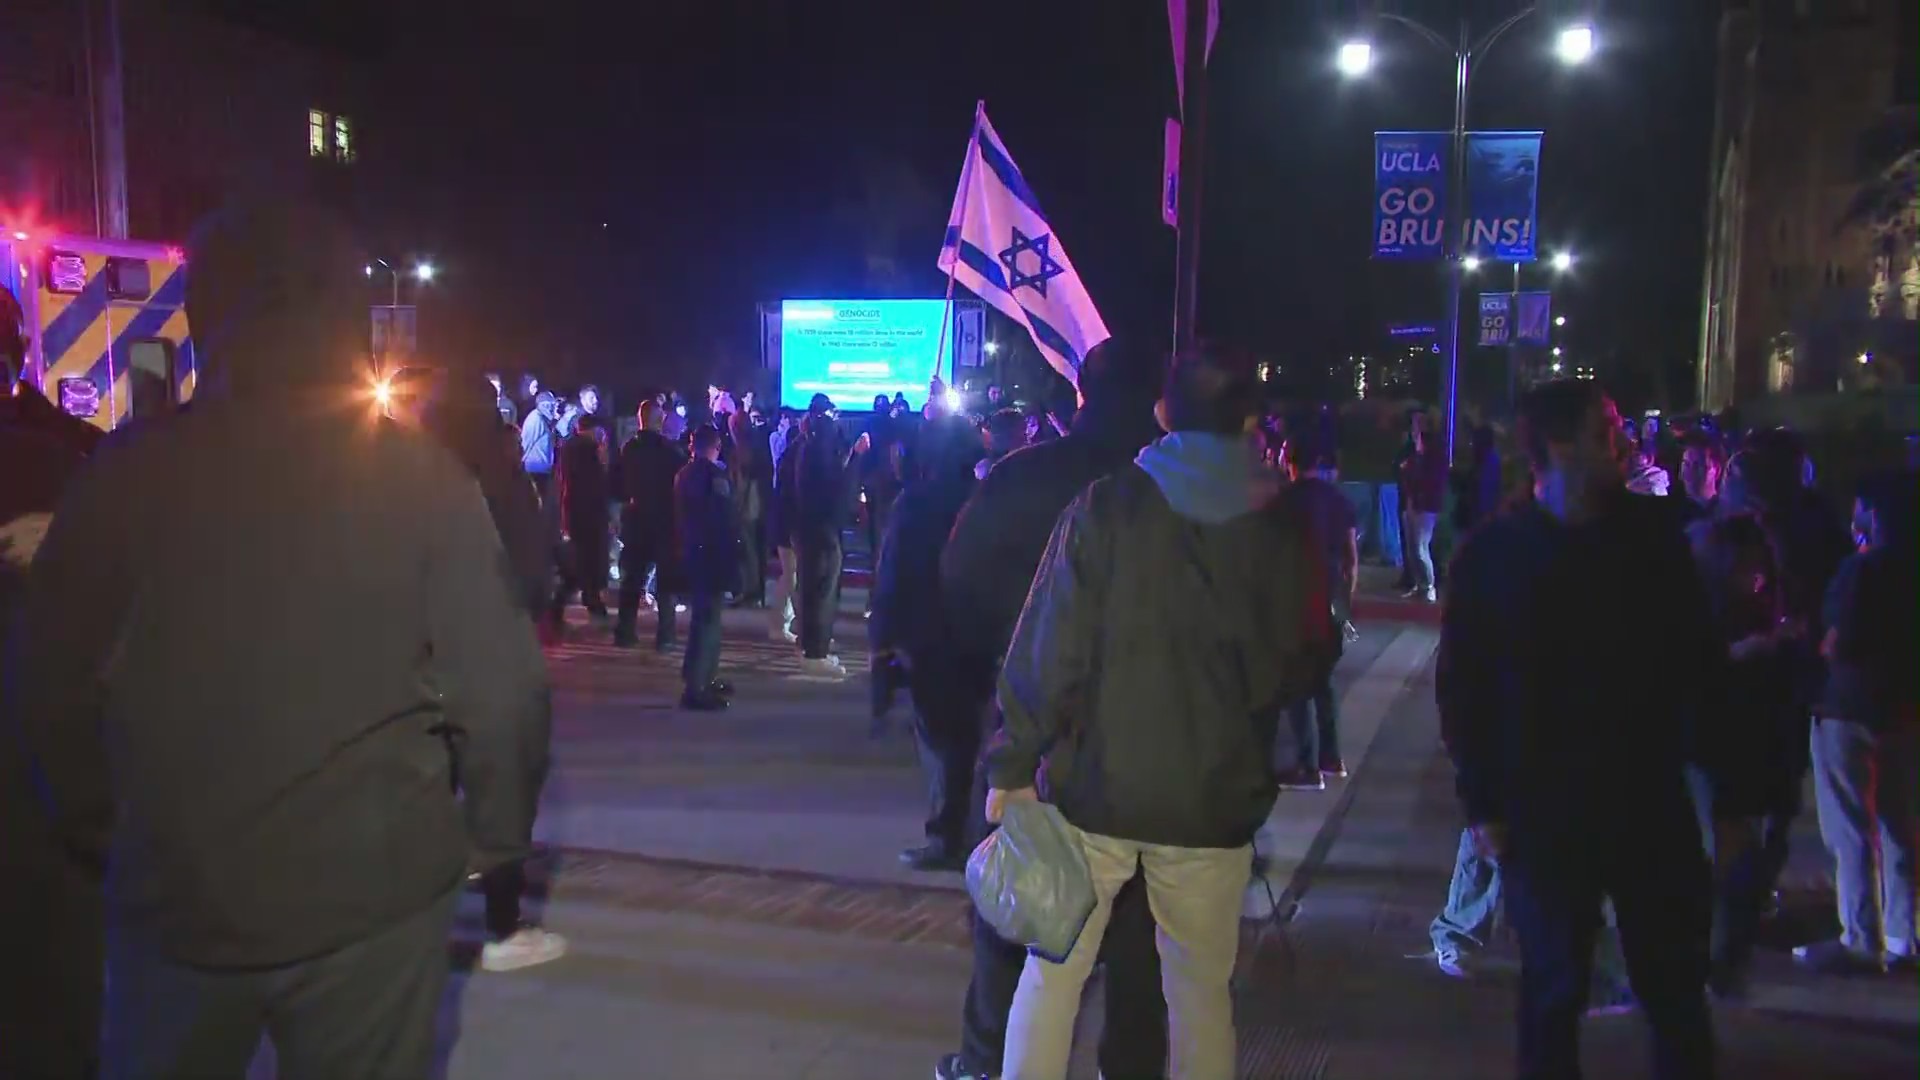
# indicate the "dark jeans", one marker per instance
pixel 820 557
pixel 947 730
pixel 1745 886
pixel 1133 1036
pixel 639 554
pixel 1661 889
pixel 364 1010
pixel 1316 726
pixel 753 561
pixel 503 886
pixel 584 570
pixel 702 662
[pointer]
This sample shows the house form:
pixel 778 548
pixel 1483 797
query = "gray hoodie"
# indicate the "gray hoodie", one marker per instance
pixel 1209 478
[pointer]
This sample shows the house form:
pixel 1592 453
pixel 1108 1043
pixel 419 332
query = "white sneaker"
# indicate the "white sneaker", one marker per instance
pixel 828 667
pixel 778 632
pixel 527 947
pixel 1429 596
pixel 1451 961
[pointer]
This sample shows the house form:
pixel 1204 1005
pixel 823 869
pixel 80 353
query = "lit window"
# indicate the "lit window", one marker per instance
pixel 343 139
pixel 316 133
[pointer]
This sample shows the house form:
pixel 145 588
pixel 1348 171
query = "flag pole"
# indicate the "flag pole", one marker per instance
pixel 966 183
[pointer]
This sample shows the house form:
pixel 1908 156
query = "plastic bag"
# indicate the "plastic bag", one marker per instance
pixel 1030 881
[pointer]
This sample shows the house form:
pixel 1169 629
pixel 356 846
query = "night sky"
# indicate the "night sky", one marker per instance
pixel 610 195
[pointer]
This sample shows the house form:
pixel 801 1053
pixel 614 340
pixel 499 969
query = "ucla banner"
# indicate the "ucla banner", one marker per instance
pixel 1503 185
pixel 1532 317
pixel 1409 194
pixel 1496 318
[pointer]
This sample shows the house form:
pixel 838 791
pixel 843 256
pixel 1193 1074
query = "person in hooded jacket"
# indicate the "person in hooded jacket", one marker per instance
pixel 908 636
pixel 986 569
pixel 462 416
pixel 1179 607
pixel 50 988
pixel 263 753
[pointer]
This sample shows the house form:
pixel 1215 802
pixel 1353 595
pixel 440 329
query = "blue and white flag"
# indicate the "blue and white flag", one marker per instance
pixel 999 245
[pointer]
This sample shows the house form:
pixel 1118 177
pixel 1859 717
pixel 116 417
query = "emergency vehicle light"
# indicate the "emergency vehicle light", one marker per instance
pixel 20 235
pixel 66 272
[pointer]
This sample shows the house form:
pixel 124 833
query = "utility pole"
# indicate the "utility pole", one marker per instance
pixel 107 94
pixel 1193 123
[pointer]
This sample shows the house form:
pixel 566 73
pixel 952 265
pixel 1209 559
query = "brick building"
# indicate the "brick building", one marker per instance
pixel 214 107
pixel 1811 282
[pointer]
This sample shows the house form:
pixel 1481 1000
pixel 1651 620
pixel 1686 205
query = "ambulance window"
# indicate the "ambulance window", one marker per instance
pixel 129 279
pixel 150 374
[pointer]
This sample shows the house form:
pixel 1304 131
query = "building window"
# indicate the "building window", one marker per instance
pixel 343 144
pixel 316 133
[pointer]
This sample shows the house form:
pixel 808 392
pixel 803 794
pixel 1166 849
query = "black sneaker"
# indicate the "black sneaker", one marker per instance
pixel 932 857
pixel 720 688
pixel 703 702
pixel 1302 780
pixel 952 1067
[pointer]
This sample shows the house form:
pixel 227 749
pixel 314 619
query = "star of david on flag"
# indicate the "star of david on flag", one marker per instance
pixel 999 245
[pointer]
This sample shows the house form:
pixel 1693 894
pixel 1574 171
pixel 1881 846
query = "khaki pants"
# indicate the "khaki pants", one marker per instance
pixel 1196 896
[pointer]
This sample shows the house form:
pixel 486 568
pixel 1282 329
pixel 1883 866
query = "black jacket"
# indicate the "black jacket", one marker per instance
pixel 907 609
pixel 242 655
pixel 1152 662
pixel 481 441
pixel 1576 678
pixel 585 489
pixel 644 482
pixel 827 483
pixel 708 539
pixel 1002 531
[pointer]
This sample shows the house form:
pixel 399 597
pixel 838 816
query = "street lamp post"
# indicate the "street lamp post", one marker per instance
pixel 423 273
pixel 1575 44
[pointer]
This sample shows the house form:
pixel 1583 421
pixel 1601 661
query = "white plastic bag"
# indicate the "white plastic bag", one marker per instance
pixel 1030 881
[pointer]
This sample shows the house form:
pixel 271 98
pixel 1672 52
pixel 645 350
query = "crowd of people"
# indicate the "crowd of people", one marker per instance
pixel 243 799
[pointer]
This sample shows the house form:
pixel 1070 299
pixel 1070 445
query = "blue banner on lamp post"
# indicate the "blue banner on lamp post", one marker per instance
pixel 1532 317
pixel 1503 186
pixel 1409 194
pixel 1496 318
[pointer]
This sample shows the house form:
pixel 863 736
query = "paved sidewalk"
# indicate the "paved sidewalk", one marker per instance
pixel 730 889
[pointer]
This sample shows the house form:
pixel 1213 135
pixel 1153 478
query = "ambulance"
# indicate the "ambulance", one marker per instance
pixel 98 317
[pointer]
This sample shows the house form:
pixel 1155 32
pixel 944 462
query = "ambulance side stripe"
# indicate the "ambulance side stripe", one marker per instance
pixel 147 323
pixel 65 328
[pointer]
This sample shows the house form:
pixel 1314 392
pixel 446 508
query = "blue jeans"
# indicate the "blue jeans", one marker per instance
pixel 1473 898
pixel 1316 727
pixel 1864 783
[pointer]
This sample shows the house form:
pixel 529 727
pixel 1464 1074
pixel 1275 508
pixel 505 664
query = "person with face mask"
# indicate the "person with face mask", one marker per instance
pixel 1553 686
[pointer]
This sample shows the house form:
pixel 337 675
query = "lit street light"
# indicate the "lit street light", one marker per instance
pixel 1554 367
pixel 1355 58
pixel 1559 320
pixel 423 273
pixel 993 348
pixel 1574 45
pixel 1562 261
pixel 1556 350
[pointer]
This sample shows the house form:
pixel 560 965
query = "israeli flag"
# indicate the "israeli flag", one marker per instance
pixel 1000 246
